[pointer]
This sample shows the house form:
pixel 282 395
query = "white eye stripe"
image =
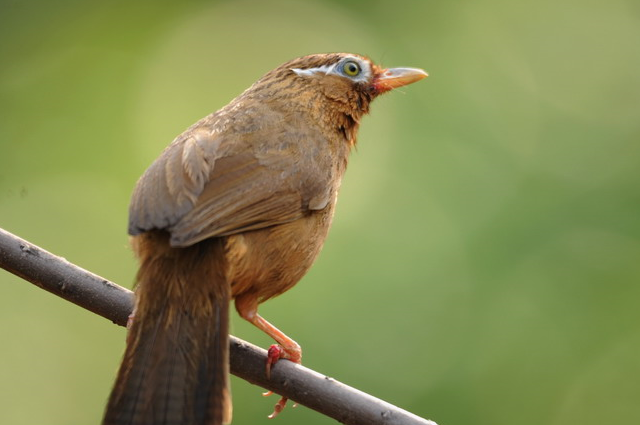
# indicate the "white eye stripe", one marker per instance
pixel 364 75
pixel 326 69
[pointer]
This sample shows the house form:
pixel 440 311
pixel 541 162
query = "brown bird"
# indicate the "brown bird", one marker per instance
pixel 237 207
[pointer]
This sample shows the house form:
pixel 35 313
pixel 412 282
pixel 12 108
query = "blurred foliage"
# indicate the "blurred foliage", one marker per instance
pixel 485 259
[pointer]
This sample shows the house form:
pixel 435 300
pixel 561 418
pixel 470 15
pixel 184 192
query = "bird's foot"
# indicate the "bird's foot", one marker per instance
pixel 276 352
pixel 279 405
pixel 273 355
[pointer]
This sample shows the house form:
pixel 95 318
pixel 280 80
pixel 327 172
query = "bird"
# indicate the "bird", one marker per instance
pixel 236 208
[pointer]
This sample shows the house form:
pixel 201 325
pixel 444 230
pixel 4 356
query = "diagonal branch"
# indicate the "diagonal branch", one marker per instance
pixel 305 386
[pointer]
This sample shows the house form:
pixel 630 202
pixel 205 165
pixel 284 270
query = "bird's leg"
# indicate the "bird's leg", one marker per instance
pixel 286 348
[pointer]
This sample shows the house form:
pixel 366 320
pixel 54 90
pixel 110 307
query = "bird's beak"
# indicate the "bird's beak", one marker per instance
pixel 388 79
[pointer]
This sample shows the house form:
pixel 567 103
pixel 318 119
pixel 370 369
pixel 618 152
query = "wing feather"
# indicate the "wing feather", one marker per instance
pixel 224 176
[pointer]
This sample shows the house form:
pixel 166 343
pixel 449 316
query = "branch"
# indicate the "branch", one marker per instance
pixel 305 386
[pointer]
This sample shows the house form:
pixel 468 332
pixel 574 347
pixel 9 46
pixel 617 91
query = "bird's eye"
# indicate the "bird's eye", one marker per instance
pixel 351 68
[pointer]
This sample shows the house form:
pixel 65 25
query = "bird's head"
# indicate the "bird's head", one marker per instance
pixel 336 88
pixel 352 73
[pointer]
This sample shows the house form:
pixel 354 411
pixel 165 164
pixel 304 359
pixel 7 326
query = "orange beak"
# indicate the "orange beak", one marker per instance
pixel 391 78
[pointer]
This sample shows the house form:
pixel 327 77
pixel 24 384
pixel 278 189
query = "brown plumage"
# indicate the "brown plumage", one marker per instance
pixel 237 207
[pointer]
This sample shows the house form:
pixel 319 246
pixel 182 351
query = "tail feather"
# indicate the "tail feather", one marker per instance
pixel 175 366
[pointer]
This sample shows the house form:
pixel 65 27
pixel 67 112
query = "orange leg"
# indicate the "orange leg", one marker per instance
pixel 287 348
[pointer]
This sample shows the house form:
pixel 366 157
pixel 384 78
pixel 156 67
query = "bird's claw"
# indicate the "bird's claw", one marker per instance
pixel 278 407
pixel 277 352
pixel 274 354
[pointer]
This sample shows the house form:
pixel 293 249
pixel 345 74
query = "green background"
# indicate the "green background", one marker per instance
pixel 484 262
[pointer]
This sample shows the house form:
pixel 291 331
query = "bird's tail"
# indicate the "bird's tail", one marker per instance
pixel 175 367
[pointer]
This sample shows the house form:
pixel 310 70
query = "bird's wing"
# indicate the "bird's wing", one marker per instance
pixel 216 183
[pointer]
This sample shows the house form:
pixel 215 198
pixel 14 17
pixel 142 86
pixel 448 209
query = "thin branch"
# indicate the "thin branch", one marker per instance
pixel 305 386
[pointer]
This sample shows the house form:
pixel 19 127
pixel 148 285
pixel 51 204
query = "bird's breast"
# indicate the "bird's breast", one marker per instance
pixel 268 262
